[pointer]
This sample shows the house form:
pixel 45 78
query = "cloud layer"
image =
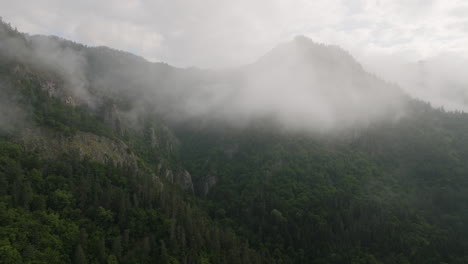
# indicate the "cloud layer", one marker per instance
pixel 214 33
pixel 388 37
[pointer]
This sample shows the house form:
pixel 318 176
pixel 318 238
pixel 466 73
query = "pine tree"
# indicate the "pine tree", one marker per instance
pixel 80 256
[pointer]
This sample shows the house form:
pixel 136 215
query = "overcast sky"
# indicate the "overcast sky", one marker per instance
pixel 219 33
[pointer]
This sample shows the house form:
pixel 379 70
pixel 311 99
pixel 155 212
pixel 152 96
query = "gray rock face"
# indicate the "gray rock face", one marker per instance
pixel 162 138
pixel 157 180
pixel 70 100
pixel 181 177
pixel 185 180
pixel 169 176
pixel 209 182
pixel 51 89
pixel 55 90
pixel 52 144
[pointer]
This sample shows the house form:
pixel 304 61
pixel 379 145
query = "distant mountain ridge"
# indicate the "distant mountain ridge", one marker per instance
pixel 319 86
pixel 300 157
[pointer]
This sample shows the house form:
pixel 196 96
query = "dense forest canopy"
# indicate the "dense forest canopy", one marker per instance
pixel 107 158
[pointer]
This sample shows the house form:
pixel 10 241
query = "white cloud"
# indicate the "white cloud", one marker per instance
pixel 213 33
pixel 121 35
pixel 382 34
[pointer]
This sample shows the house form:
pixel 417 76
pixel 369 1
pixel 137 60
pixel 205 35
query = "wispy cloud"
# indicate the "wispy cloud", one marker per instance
pixel 222 33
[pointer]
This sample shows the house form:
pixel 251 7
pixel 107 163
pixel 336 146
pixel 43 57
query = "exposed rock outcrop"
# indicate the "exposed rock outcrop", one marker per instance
pixel 169 176
pixel 52 144
pixel 180 177
pixel 209 182
pixel 184 179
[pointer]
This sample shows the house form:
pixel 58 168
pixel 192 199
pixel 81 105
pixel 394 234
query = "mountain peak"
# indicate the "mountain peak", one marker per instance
pixel 302 39
pixel 303 50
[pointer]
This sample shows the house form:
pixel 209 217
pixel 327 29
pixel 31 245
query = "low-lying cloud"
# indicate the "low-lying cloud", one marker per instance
pixel 298 85
pixel 440 80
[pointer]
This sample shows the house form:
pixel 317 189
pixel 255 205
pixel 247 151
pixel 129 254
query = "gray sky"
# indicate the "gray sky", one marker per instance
pixel 219 33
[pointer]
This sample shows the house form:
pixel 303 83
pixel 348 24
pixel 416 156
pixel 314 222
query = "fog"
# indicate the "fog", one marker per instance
pixel 51 58
pixel 418 45
pixel 441 80
pixel 65 61
pixel 12 115
pixel 299 84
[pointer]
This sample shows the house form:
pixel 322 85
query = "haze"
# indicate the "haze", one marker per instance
pixel 389 38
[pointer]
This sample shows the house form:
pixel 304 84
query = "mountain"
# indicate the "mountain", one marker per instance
pixel 300 157
pixel 313 86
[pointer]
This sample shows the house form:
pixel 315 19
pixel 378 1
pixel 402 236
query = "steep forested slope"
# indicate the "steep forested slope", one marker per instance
pixel 101 163
pixel 395 194
pixel 79 186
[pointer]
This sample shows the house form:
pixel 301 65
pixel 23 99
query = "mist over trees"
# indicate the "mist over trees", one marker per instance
pixel 299 157
pixel 300 85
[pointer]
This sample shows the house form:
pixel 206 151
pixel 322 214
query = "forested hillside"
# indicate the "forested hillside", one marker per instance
pixel 103 161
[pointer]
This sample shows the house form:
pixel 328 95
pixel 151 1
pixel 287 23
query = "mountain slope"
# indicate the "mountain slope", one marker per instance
pixel 301 157
pixel 79 186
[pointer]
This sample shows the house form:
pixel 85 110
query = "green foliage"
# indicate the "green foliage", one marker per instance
pixel 390 193
pixel 393 194
pixel 80 212
pixel 9 255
